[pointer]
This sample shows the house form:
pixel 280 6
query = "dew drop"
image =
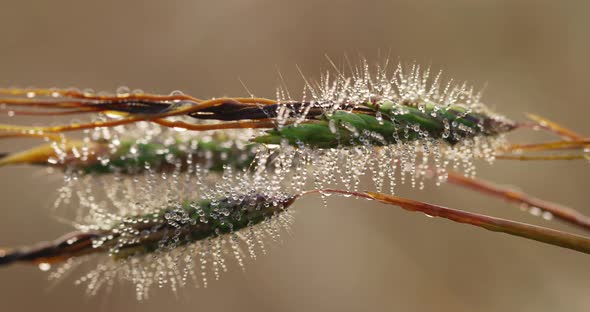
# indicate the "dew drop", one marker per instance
pixel 332 125
pixel 535 211
pixel 44 266
pixel 123 91
pixel 52 160
pixel 547 215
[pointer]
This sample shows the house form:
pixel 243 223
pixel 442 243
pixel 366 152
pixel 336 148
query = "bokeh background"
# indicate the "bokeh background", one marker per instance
pixel 533 56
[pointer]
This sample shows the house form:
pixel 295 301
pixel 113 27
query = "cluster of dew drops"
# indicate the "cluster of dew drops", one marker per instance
pixel 406 160
pixel 101 202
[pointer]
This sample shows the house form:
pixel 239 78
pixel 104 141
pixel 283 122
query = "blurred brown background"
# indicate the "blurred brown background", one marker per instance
pixel 351 256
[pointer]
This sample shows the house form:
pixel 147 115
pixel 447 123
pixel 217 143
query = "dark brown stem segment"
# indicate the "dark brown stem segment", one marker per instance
pixel 560 212
pixel 73 244
pixel 537 233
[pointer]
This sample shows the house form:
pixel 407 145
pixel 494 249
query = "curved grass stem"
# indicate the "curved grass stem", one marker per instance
pixel 563 213
pixel 128 118
pixel 256 124
pixel 533 232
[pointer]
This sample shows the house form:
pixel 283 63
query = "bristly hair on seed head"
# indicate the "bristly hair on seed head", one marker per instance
pixel 408 98
pixel 112 162
pixel 172 238
pixel 385 120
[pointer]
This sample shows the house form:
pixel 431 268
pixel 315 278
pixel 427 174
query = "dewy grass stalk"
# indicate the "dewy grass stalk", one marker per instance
pixel 167 240
pixel 166 235
pixel 167 218
pixel 389 123
pixel 168 228
pixel 132 157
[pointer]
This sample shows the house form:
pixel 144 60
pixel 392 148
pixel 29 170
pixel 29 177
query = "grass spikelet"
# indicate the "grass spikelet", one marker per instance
pixel 131 156
pixel 121 162
pixel 388 124
pixel 168 242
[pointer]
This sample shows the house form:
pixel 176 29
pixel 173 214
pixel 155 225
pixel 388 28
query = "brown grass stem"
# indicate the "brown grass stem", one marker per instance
pixel 563 213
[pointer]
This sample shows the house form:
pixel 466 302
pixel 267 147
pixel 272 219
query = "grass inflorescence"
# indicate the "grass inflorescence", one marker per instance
pixel 168 185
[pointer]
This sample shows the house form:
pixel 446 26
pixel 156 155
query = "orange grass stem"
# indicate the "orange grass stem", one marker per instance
pixel 541 157
pixel 533 232
pixel 556 145
pixel 563 213
pixel 556 128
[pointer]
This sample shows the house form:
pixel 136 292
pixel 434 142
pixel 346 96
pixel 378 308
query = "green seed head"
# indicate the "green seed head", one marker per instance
pixel 189 222
pixel 389 124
